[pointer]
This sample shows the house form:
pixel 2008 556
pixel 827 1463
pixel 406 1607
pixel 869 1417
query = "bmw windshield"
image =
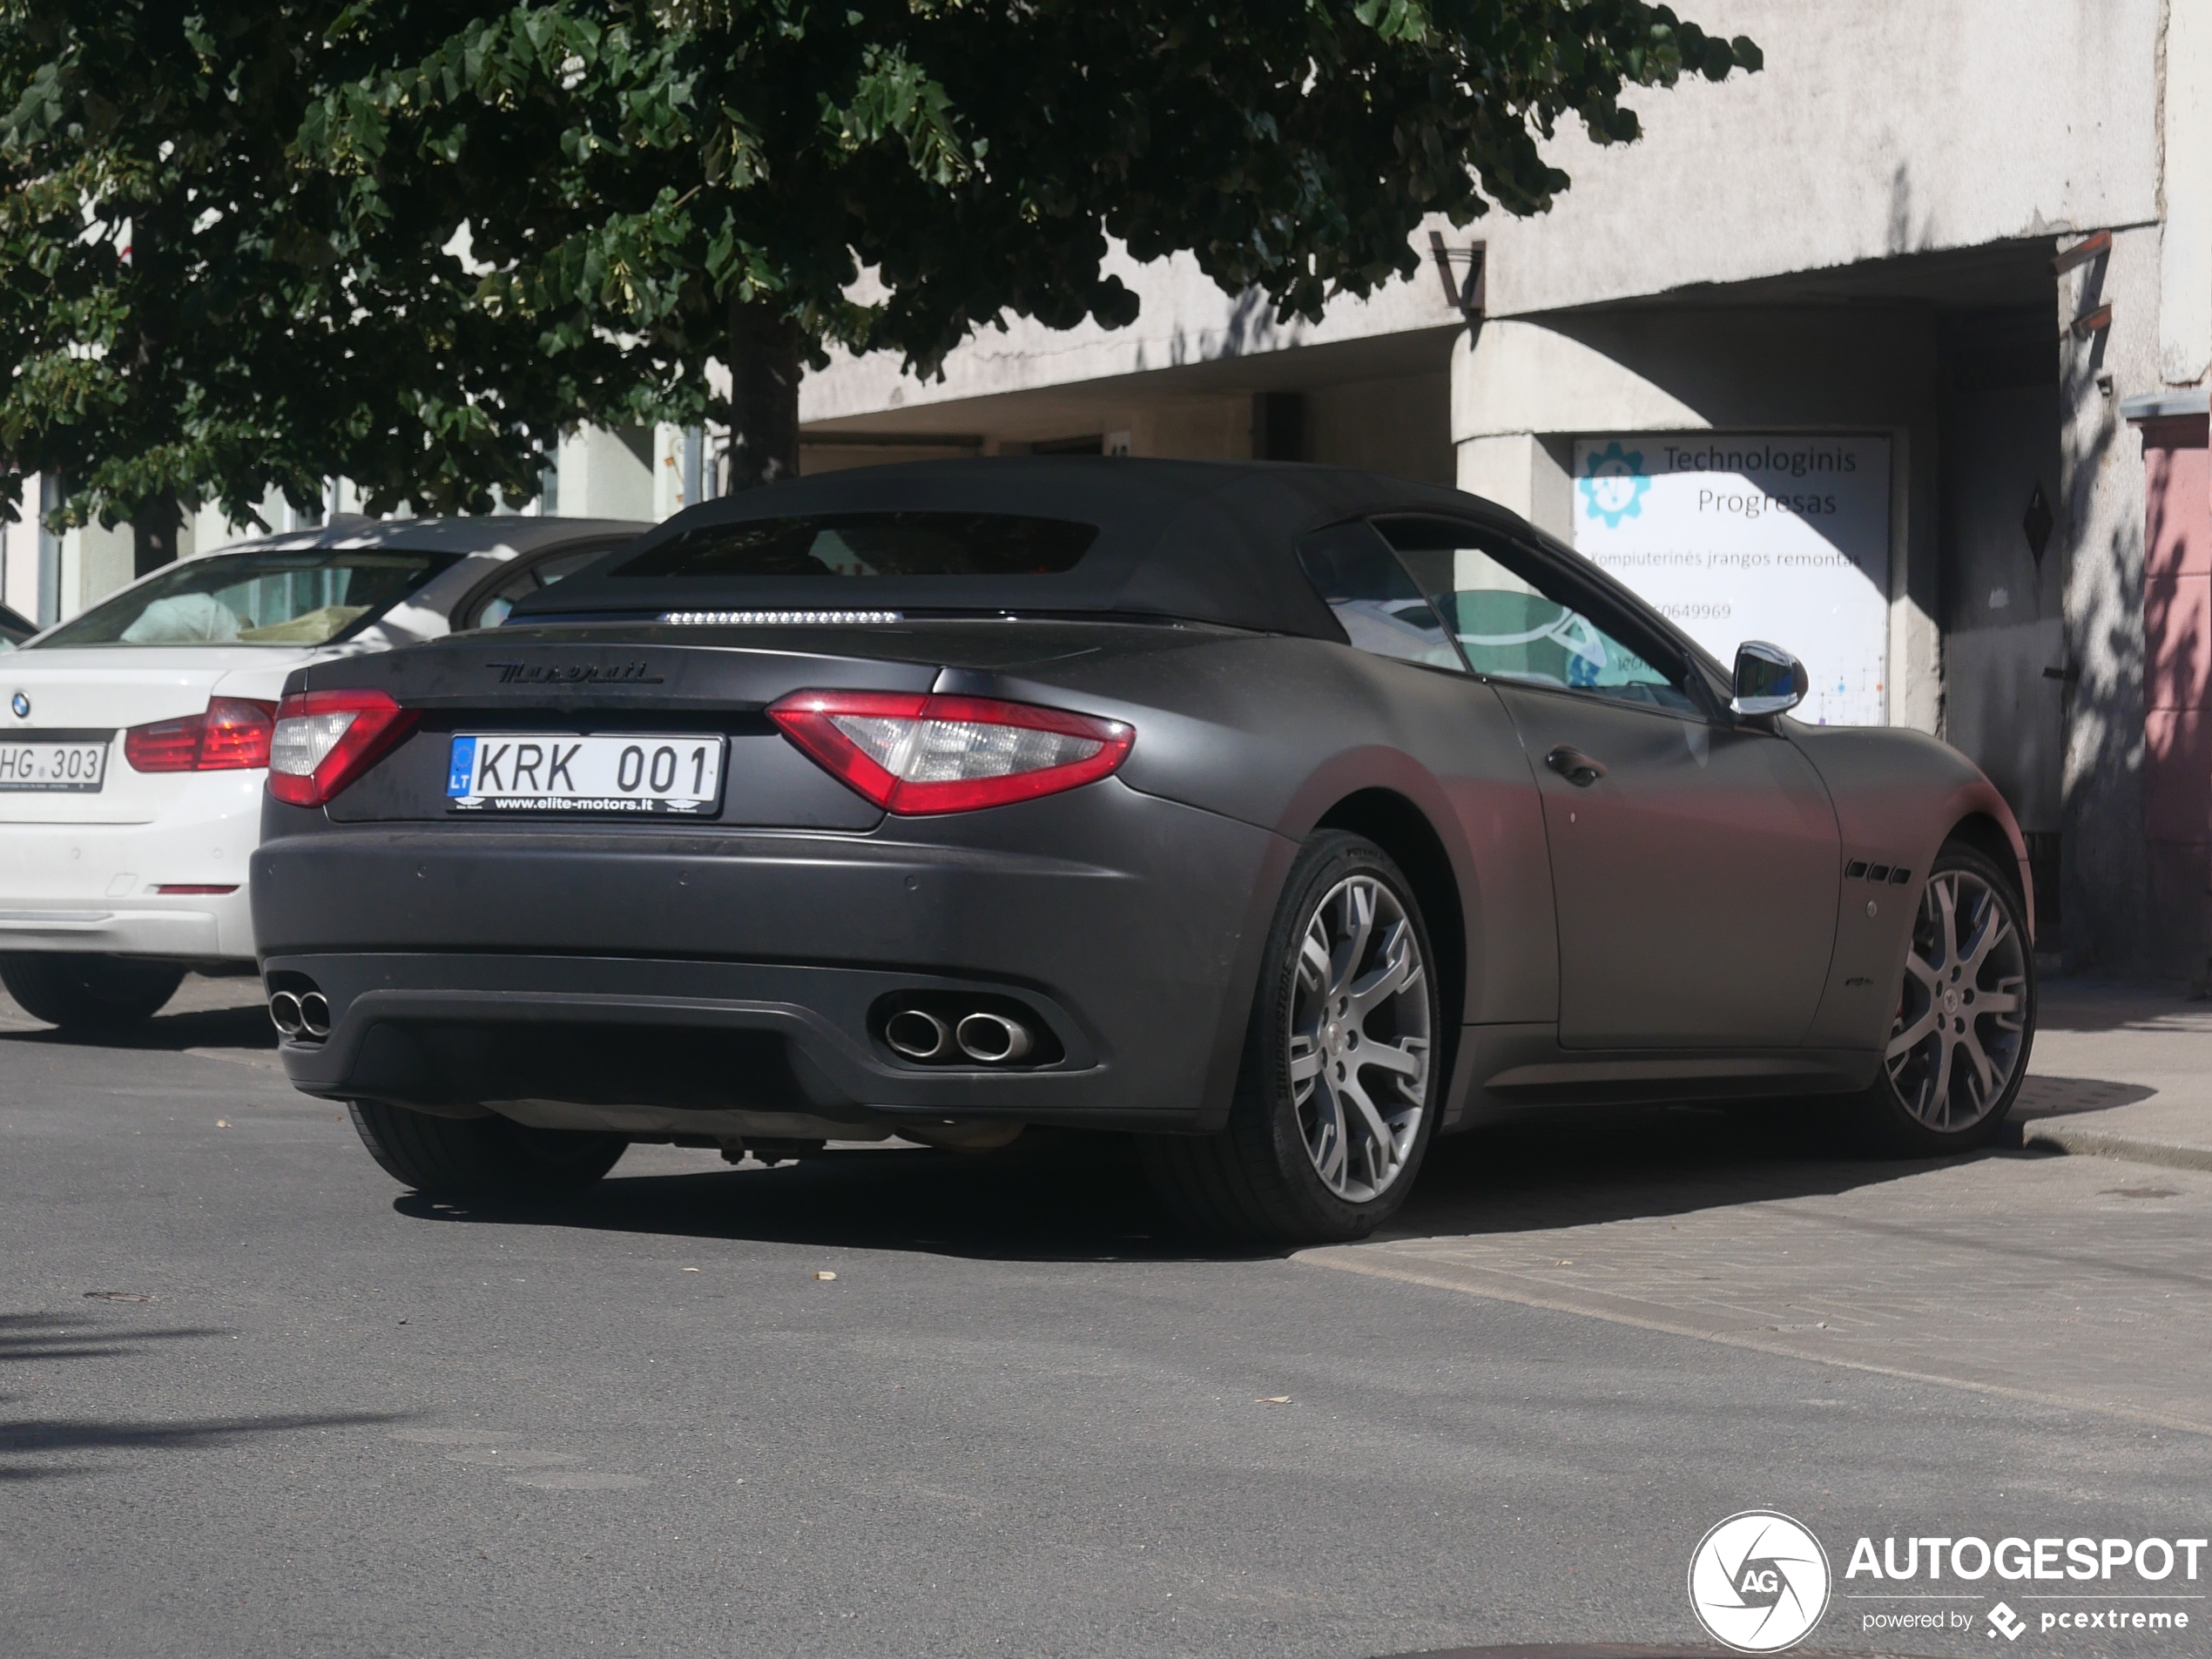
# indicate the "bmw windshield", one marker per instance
pixel 310 596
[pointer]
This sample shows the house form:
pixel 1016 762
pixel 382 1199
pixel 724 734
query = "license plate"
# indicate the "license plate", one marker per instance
pixel 55 762
pixel 560 772
pixel 529 772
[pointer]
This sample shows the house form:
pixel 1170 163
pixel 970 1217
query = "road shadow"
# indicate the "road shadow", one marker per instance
pixel 221 1027
pixel 1574 1168
pixel 24 1440
pixel 1078 1197
pixel 2094 1005
pixel 28 1445
pixel 25 1337
pixel 1052 1196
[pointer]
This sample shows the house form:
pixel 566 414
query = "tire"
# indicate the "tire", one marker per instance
pixel 482 1157
pixel 1300 1162
pixel 88 992
pixel 1965 1022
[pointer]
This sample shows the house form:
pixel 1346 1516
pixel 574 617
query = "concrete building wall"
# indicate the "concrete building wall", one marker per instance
pixel 1874 131
pixel 2100 519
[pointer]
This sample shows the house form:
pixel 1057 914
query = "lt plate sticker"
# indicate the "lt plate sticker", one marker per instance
pixel 517 771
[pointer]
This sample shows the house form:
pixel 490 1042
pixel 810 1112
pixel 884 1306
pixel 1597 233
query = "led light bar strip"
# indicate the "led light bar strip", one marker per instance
pixel 758 618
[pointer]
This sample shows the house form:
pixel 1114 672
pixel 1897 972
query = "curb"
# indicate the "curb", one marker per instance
pixel 2078 1141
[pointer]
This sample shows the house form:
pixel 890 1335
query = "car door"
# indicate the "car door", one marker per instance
pixel 1694 857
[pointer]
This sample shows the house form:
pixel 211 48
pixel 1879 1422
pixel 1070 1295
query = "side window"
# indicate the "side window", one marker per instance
pixel 1375 602
pixel 1517 619
pixel 543 573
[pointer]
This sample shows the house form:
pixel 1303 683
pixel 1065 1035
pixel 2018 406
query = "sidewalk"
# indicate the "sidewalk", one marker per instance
pixel 2120 1071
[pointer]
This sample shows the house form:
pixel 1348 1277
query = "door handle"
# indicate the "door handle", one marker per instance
pixel 1573 765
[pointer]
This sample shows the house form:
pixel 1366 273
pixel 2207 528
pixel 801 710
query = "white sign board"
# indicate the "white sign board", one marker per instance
pixel 1754 536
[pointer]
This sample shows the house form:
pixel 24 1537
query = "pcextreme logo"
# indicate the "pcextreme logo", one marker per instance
pixel 1759 1581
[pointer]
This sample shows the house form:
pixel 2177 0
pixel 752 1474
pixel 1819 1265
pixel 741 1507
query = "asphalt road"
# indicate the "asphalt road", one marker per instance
pixel 253 1399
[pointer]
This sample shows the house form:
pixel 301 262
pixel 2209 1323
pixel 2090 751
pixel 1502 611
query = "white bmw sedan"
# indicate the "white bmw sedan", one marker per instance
pixel 134 739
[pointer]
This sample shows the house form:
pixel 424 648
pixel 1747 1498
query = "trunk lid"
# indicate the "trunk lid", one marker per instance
pixel 98 692
pixel 654 680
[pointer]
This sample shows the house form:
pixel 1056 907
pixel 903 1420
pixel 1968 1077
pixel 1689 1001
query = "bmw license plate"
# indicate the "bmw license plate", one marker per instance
pixel 61 762
pixel 529 772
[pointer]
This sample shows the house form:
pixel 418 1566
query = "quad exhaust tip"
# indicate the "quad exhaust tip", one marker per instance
pixel 284 1009
pixel 987 1039
pixel 300 1015
pixel 916 1035
pixel 992 1039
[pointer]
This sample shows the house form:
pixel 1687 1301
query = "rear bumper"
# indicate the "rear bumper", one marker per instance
pixel 678 980
pixel 90 887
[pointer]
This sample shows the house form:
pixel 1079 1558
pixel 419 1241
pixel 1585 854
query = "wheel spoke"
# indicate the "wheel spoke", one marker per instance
pixel 1939 1096
pixel 1981 1080
pixel 1408 1058
pixel 1384 1147
pixel 1401 967
pixel 1305 1063
pixel 1914 1035
pixel 1359 927
pixel 1325 1144
pixel 1944 890
pixel 1994 931
pixel 1314 970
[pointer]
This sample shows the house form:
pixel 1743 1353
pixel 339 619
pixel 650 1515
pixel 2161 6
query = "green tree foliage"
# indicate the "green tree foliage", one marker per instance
pixel 641 186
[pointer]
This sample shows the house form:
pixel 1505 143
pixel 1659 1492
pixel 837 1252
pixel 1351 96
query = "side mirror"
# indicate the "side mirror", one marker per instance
pixel 1768 679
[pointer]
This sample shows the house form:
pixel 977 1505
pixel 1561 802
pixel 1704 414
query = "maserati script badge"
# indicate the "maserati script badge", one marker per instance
pixel 574 674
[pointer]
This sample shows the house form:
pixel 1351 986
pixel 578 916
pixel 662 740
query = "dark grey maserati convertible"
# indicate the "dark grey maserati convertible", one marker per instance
pixel 1284 817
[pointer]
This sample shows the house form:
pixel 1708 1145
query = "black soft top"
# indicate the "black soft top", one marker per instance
pixel 1203 541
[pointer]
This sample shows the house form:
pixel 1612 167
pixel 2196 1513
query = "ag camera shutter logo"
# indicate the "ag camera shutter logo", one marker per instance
pixel 1758 1582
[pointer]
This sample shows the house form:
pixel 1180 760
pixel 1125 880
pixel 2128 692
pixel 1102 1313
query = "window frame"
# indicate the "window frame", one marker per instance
pixel 1615 612
pixel 468 612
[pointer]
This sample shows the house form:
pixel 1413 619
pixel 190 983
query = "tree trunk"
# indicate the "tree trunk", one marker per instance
pixel 156 528
pixel 764 396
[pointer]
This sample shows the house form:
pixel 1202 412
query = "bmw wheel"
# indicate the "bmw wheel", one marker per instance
pixel 1338 1096
pixel 93 995
pixel 1965 1019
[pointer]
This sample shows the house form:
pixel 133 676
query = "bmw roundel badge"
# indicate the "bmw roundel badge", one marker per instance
pixel 21 704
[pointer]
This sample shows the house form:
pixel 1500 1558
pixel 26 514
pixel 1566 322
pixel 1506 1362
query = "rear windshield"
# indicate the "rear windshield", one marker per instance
pixel 307 598
pixel 870 544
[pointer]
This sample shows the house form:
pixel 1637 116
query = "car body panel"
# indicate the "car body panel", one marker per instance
pixel 1695 881
pixel 1128 914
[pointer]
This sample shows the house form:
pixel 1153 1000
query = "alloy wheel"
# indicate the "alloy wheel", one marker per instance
pixel 1961 1021
pixel 1359 1038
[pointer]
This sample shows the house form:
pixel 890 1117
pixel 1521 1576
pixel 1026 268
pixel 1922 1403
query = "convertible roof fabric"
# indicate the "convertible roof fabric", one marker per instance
pixel 1198 540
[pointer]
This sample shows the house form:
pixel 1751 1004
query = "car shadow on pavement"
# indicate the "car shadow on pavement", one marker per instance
pixel 1572 1169
pixel 1083 1197
pixel 225 1028
pixel 1050 1196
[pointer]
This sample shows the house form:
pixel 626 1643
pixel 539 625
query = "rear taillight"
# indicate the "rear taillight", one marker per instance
pixel 326 739
pixel 913 753
pixel 232 735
